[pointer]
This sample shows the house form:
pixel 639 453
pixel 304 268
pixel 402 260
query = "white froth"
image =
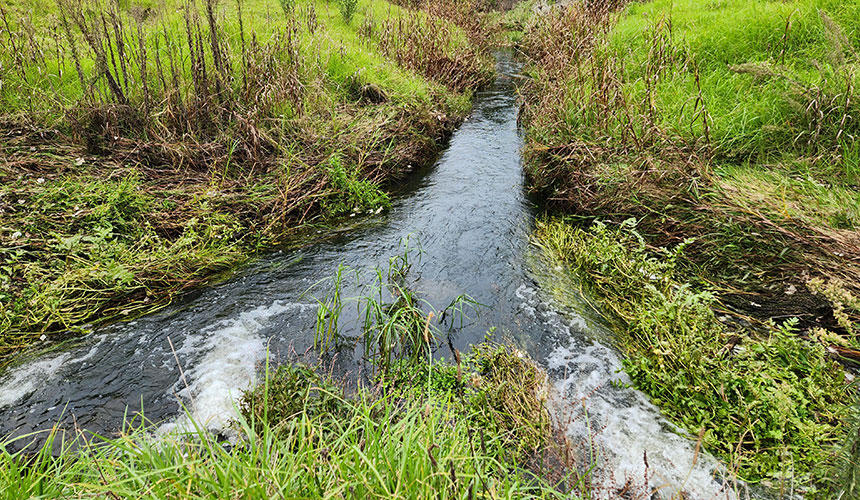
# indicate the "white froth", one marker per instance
pixel 233 351
pixel 22 381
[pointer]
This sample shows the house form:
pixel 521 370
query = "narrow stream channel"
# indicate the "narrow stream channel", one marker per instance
pixel 471 218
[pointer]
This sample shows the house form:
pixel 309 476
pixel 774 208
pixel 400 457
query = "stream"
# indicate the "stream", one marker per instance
pixel 469 218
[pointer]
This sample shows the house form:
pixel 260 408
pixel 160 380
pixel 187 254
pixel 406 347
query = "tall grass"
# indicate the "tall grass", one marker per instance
pixel 423 44
pixel 217 72
pixel 382 449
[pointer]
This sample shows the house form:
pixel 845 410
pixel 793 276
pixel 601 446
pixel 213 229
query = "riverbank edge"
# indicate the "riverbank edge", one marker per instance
pixel 590 209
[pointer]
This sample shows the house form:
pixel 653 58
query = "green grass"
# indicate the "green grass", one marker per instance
pixel 785 70
pixel 85 244
pixel 381 448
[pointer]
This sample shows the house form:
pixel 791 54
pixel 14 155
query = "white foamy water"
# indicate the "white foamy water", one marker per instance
pixel 219 363
pixel 24 380
pixel 595 408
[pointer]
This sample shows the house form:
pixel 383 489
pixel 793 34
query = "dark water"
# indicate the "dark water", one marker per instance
pixel 467 220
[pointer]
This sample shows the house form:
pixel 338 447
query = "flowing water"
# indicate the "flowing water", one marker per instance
pixel 470 217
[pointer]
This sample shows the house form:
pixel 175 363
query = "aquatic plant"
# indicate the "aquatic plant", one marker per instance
pixel 395 322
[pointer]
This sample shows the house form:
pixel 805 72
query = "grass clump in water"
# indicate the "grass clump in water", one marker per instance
pixel 769 401
pixel 495 387
pixel 354 194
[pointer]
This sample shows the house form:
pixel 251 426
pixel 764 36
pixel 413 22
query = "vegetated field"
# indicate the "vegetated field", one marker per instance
pixel 148 146
pixel 724 134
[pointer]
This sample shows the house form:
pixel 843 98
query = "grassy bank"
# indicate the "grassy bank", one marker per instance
pixel 726 133
pixel 148 147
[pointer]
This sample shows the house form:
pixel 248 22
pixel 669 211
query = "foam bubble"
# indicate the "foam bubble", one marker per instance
pixel 24 380
pixel 231 352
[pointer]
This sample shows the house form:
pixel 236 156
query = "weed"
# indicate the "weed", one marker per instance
pixel 353 193
pixel 291 391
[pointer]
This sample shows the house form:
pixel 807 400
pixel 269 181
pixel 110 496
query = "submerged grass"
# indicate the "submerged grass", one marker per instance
pixel 146 148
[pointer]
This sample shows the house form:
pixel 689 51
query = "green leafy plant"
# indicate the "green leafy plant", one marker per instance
pixel 771 403
pixel 352 193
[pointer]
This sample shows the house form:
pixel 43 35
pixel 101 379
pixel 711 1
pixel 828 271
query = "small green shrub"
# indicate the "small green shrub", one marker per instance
pixel 354 194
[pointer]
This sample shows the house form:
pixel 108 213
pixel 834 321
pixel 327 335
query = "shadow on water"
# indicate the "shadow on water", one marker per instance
pixel 470 219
